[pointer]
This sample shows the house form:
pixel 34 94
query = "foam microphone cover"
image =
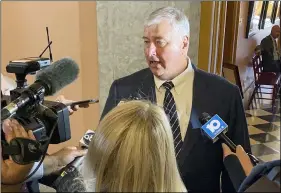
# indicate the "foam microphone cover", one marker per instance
pixel 58 75
pixel 204 118
pixel 71 182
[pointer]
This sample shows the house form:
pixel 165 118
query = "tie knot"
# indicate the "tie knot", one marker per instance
pixel 168 85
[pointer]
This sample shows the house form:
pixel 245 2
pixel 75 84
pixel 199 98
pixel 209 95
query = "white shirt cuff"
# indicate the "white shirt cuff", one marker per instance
pixel 38 174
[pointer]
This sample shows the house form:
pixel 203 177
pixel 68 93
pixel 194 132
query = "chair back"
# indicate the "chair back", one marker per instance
pixel 258 50
pixel 257 66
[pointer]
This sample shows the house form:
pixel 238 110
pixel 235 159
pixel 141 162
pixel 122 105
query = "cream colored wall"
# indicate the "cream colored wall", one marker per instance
pixel 89 60
pixel 72 28
pixel 120 28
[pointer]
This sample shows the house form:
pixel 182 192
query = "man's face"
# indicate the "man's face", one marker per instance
pixel 276 32
pixel 165 50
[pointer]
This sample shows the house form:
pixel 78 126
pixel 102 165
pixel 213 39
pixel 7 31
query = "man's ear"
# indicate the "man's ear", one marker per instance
pixel 185 42
pixel 185 45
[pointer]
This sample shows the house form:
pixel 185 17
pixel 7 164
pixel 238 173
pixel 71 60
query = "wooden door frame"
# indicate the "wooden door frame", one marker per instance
pixel 213 22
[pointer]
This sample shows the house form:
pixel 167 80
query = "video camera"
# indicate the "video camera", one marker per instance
pixel 48 120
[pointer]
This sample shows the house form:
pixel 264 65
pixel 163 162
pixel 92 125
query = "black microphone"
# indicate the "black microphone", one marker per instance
pixel 215 128
pixel 74 165
pixel 48 81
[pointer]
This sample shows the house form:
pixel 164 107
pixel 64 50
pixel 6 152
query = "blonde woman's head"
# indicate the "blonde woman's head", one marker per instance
pixel 133 150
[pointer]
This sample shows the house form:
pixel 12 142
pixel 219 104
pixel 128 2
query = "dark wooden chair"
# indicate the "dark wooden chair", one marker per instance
pixel 264 78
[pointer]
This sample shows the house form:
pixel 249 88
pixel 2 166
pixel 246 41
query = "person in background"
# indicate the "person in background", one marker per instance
pixel 270 53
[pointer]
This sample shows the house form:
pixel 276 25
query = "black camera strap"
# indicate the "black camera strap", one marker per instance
pixel 9 150
pixel 22 150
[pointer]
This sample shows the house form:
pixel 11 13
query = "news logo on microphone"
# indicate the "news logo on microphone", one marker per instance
pixel 214 127
pixel 87 138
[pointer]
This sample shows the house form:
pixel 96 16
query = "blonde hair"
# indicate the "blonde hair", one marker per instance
pixel 133 151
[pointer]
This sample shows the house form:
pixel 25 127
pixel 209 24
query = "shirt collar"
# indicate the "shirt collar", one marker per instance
pixel 272 38
pixel 179 80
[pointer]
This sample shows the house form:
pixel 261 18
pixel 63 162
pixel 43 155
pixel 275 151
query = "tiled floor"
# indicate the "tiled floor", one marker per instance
pixel 264 129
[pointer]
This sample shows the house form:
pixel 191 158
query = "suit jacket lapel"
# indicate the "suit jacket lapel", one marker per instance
pixel 194 132
pixel 146 90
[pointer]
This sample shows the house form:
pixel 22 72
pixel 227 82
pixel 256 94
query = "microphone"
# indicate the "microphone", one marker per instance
pixel 74 165
pixel 48 81
pixel 86 139
pixel 215 128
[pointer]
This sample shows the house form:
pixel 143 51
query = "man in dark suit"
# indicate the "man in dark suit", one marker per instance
pixel 269 50
pixel 185 92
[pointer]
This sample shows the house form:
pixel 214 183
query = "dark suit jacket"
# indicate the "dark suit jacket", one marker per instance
pixel 267 49
pixel 200 161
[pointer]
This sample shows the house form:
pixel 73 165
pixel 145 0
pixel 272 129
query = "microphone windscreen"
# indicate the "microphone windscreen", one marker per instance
pixel 58 75
pixel 71 182
pixel 204 118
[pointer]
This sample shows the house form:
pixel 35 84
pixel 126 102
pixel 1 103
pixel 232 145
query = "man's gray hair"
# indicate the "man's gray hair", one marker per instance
pixel 177 19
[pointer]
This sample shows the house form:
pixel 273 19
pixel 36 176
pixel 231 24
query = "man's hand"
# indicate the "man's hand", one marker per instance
pixel 67 155
pixel 242 156
pixel 58 160
pixel 11 172
pixel 71 109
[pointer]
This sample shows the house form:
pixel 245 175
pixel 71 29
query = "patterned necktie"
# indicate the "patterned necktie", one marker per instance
pixel 275 50
pixel 171 111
